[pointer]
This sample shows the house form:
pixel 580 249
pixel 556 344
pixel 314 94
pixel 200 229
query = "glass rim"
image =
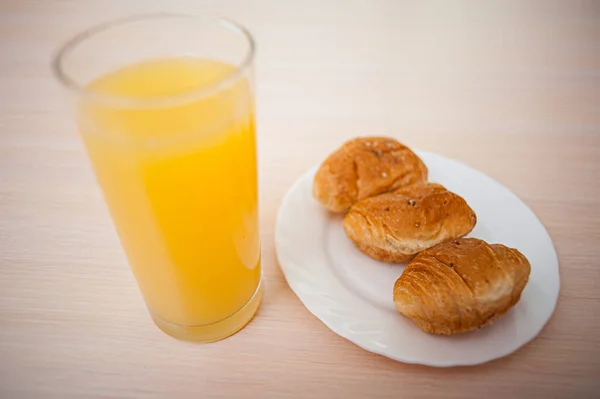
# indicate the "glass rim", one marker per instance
pixel 193 94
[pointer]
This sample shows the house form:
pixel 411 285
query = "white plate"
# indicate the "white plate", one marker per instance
pixel 352 293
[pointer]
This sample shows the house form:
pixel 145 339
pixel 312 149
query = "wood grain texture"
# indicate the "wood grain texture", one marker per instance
pixel 511 88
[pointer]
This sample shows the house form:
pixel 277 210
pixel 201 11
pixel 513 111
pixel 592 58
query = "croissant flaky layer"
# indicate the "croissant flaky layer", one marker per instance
pixel 395 226
pixel 461 285
pixel 364 167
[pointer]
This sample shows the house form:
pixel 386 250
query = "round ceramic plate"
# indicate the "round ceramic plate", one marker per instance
pixel 352 293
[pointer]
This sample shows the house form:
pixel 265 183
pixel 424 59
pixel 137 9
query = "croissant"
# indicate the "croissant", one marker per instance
pixel 461 285
pixel 394 227
pixel 364 167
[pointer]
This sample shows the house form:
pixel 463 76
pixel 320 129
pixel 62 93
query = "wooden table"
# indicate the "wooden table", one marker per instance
pixel 512 89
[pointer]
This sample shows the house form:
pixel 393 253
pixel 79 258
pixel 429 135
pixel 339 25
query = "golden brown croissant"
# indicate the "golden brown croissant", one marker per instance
pixel 394 227
pixel 364 167
pixel 461 285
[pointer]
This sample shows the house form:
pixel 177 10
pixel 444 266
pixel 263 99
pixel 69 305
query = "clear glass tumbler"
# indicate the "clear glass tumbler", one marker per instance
pixel 164 104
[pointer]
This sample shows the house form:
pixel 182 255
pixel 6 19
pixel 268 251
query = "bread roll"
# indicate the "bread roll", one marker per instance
pixel 461 285
pixel 364 167
pixel 394 227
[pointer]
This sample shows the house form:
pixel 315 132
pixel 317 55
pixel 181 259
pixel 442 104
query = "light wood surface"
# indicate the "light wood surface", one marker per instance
pixel 511 88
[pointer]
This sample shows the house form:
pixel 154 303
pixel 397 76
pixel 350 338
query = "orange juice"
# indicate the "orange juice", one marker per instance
pixel 178 171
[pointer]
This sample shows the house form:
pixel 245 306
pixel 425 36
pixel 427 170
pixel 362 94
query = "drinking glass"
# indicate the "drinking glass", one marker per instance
pixel 164 104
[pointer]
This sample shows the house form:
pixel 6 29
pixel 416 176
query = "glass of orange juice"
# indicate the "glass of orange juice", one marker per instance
pixel 164 104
